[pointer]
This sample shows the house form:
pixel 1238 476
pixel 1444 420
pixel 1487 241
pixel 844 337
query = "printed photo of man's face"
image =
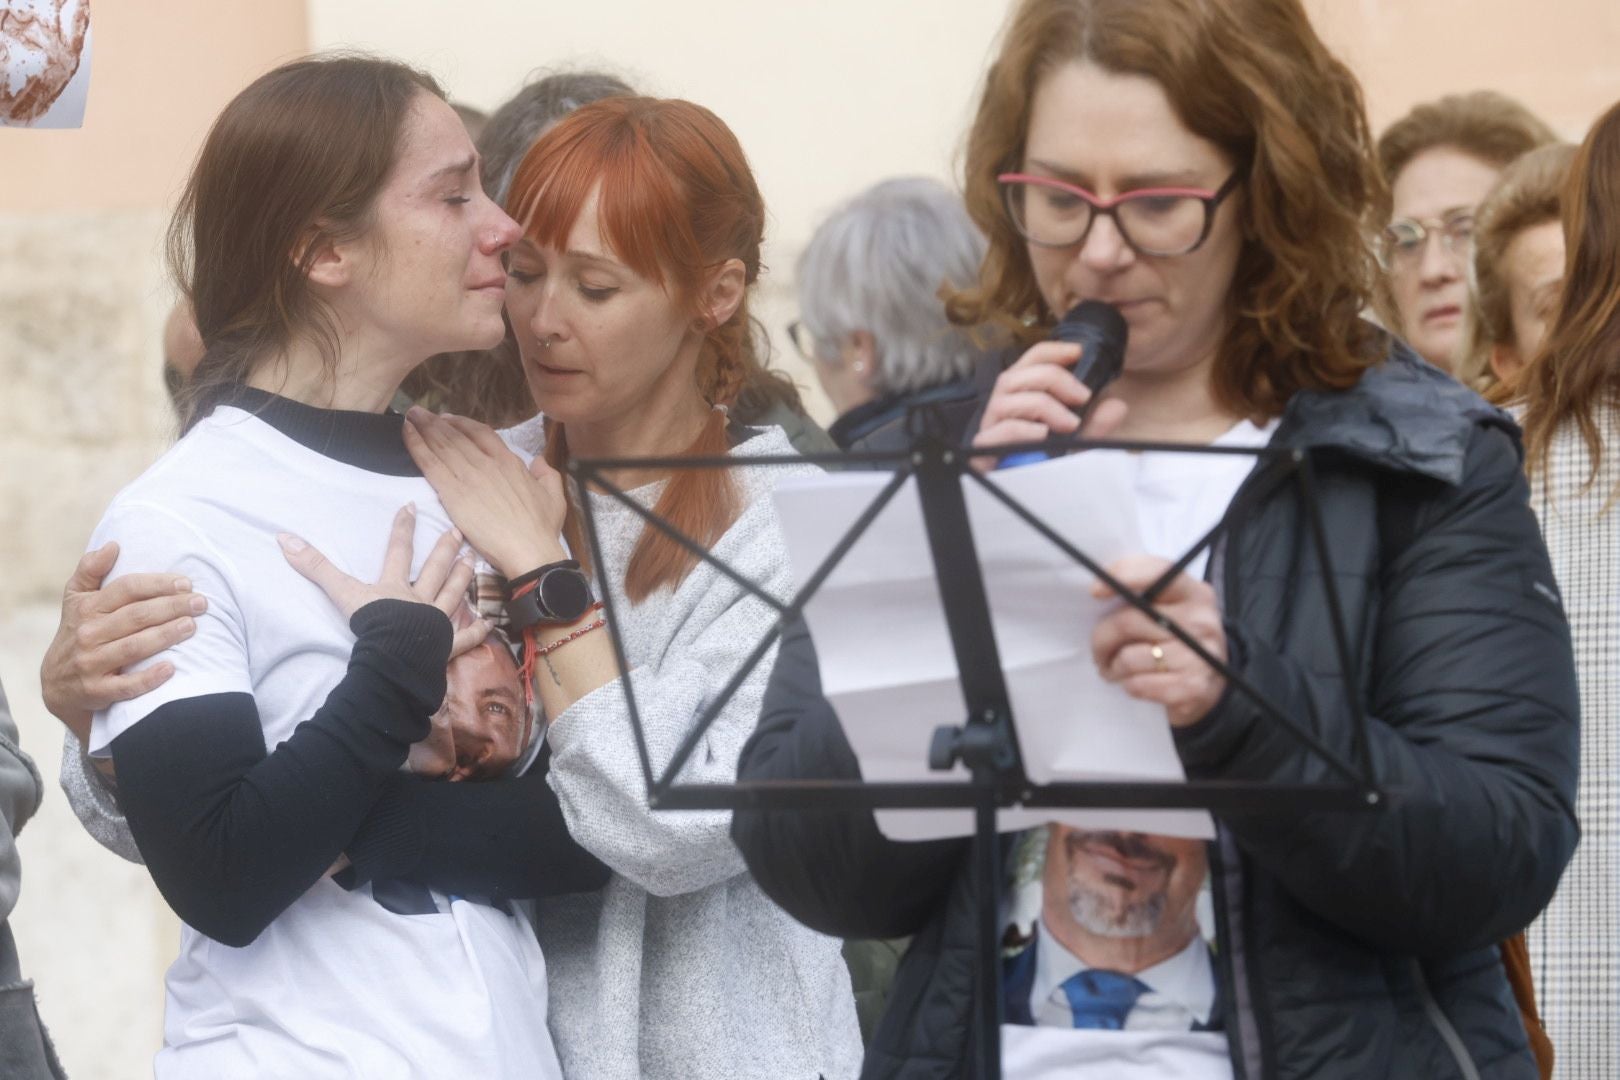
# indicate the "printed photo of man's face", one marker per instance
pixel 483 726
pixel 1123 885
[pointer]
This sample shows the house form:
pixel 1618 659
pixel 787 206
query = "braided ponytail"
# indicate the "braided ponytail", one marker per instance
pixel 700 503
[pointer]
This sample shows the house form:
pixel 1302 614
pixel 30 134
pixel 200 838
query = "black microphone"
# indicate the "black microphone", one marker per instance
pixel 1101 332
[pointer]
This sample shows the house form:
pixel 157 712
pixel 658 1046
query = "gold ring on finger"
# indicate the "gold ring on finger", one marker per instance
pixel 1159 663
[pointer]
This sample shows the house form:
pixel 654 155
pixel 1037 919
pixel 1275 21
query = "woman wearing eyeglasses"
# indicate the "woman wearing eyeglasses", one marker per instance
pixel 1439 161
pixel 1205 166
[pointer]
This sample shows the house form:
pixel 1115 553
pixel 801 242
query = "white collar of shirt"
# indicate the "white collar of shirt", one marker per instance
pixel 1180 497
pixel 1182 988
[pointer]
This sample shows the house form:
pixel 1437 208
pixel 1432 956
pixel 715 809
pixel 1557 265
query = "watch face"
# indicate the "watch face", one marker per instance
pixel 565 594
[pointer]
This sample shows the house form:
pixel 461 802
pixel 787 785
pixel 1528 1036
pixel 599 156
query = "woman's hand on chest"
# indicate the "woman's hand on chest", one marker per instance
pixel 510 512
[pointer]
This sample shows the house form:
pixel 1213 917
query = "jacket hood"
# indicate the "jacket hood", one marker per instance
pixel 1404 414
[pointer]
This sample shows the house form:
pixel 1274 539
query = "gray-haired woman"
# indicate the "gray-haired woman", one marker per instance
pixel 873 324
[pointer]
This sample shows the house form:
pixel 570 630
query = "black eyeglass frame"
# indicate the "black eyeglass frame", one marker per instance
pixel 1109 208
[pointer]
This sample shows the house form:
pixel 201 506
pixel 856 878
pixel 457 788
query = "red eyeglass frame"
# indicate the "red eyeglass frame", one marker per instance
pixel 1107 207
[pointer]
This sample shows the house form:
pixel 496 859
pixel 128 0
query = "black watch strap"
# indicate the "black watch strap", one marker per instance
pixel 557 592
pixel 534 575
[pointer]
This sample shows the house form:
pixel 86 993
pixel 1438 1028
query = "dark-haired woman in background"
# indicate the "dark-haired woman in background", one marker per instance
pixel 1571 400
pixel 1205 166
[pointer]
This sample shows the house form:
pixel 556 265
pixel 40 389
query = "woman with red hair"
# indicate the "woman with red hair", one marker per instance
pixel 628 295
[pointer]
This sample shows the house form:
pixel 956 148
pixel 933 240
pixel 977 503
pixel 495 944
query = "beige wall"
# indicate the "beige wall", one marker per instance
pixel 162 69
pixel 82 286
pixel 827 98
pixel 831 96
pixel 1560 57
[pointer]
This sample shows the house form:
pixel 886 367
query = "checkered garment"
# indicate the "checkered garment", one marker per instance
pixel 489 597
pixel 1575 945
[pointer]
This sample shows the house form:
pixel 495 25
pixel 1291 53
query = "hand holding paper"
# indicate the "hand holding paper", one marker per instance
pixel 888 667
pixel 1135 652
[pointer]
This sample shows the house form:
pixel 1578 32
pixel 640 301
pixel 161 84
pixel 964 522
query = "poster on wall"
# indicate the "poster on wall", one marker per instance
pixel 44 62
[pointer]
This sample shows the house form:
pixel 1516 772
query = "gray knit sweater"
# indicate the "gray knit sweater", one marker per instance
pixel 681 969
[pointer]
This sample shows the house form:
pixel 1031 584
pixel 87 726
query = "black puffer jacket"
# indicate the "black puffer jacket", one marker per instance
pixel 1353 945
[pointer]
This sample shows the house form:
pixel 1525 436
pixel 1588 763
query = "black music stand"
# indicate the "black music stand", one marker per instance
pixel 986 740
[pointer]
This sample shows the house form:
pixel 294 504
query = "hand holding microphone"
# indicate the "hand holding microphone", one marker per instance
pixel 1053 388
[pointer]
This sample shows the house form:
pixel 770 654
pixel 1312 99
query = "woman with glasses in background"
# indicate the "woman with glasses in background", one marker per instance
pixel 1439 160
pixel 1137 152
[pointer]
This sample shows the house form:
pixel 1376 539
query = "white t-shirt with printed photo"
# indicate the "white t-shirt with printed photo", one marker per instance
pixel 1179 498
pixel 337 985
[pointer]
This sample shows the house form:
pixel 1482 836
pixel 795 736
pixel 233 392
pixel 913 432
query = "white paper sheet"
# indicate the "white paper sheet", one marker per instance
pixel 886 660
pixel 1042 1053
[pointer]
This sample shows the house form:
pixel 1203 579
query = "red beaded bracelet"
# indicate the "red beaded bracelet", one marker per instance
pixel 545 650
pixel 532 650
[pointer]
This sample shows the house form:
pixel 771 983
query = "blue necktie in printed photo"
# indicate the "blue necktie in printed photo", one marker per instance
pixel 1101 1000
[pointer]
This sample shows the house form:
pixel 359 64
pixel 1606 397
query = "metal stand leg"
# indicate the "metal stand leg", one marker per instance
pixel 987 886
